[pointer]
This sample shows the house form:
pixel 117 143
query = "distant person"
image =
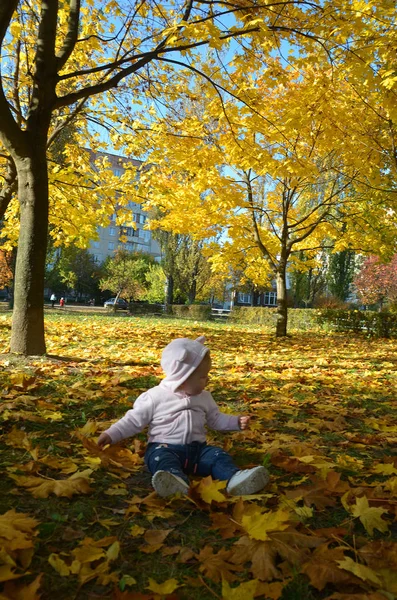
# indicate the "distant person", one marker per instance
pixel 62 302
pixel 53 299
pixel 177 411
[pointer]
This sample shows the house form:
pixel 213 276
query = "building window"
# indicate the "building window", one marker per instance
pixel 95 244
pixel 270 298
pixel 128 231
pixel 112 231
pixel 244 298
pixel 111 246
pixel 130 246
pixel 144 235
pixel 117 172
pixel 97 258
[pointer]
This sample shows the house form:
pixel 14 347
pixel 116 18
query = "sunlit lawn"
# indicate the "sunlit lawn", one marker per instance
pixel 324 424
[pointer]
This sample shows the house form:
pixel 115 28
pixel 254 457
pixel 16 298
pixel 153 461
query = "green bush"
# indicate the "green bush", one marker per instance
pixel 198 312
pixel 371 323
pixel 137 308
pixel 298 318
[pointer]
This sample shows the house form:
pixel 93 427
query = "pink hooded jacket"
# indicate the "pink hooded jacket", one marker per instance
pixel 174 417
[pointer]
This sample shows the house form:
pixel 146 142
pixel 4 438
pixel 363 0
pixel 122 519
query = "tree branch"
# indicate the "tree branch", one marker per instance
pixel 71 36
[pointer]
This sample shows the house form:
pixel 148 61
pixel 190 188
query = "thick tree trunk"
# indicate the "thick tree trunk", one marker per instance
pixel 282 311
pixel 27 335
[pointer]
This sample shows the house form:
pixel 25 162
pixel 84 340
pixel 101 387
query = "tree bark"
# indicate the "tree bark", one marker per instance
pixel 169 295
pixel 282 311
pixel 27 335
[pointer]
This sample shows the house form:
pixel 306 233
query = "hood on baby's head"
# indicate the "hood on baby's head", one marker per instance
pixel 181 358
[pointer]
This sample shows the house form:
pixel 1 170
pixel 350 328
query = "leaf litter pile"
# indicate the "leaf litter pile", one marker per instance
pixel 81 523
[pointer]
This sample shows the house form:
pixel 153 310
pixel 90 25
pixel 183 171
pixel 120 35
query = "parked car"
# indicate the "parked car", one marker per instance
pixel 121 303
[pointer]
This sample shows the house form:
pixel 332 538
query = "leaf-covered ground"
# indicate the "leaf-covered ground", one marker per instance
pixel 81 524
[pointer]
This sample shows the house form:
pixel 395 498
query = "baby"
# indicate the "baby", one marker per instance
pixel 177 411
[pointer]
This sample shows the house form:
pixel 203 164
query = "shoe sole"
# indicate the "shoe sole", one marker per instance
pixel 167 486
pixel 255 483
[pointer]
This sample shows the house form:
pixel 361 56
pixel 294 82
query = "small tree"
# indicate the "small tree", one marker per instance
pixel 74 268
pixel 377 282
pixel 340 273
pixel 125 274
pixel 156 280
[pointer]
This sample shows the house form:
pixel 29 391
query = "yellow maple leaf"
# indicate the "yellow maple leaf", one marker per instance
pixel 165 588
pixel 385 469
pixel 208 489
pixel 245 591
pixel 87 554
pixel 59 565
pixel 113 551
pixel 391 484
pixel 360 571
pixel 259 525
pixel 78 483
pixel 369 517
pixel 137 530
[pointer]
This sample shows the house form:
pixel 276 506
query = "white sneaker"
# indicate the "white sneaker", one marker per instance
pixel 248 481
pixel 166 484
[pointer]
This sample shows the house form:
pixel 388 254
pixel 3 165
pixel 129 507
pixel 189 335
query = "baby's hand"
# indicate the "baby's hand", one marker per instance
pixel 103 440
pixel 244 422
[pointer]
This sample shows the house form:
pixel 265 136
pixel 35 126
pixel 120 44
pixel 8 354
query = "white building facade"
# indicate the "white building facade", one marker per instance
pixel 136 239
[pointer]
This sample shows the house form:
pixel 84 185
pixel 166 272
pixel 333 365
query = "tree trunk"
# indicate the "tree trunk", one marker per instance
pixel 282 312
pixel 192 292
pixel 27 334
pixel 169 294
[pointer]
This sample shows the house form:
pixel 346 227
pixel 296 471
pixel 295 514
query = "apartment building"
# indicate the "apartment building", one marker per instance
pixel 136 240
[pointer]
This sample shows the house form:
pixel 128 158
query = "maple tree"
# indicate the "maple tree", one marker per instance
pixel 274 179
pixel 377 281
pixel 61 56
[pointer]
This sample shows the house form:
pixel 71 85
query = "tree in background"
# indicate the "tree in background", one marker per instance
pixel 125 274
pixel 340 273
pixel 376 283
pixel 73 270
pixel 187 270
pixel 157 281
pixel 309 283
pixel 270 180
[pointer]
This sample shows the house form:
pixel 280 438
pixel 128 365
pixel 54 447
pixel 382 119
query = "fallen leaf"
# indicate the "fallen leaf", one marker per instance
pixel 245 591
pixel 209 489
pixel 78 483
pixel 165 588
pixel 361 571
pixel 259 525
pixel 216 566
pixel 370 517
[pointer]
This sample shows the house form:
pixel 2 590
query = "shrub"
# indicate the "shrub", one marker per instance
pixel 376 324
pixel 298 318
pixel 138 308
pixel 200 312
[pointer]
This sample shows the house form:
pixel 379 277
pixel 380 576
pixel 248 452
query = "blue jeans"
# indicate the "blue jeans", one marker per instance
pixel 190 459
